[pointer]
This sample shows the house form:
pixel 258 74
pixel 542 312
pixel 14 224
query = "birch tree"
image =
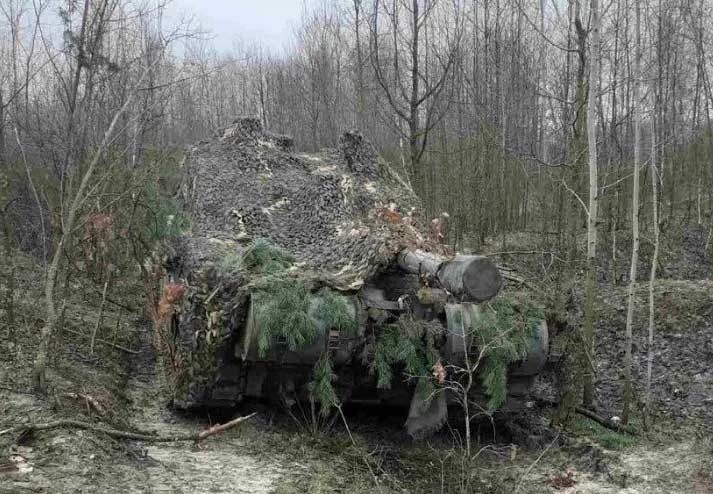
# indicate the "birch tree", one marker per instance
pixel 591 281
pixel 652 274
pixel 634 217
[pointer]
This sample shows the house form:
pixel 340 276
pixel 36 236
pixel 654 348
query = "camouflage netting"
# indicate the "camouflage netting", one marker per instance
pixel 333 210
pixel 340 216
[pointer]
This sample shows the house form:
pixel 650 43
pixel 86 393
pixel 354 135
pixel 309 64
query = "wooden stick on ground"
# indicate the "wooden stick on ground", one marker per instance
pixel 604 422
pixel 135 436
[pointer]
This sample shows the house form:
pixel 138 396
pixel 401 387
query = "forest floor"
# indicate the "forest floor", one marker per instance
pixel 270 453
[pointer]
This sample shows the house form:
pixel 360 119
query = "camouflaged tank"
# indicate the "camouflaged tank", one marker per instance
pixel 316 278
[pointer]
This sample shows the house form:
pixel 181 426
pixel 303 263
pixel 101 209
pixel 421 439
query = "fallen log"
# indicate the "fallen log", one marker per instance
pixel 616 426
pixel 119 434
pixel 474 278
pixel 611 424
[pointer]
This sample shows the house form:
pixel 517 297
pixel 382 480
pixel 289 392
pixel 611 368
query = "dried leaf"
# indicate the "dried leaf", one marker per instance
pixel 439 372
pixel 561 481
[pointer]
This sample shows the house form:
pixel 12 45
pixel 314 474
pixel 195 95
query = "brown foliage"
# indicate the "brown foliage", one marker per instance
pixel 439 372
pixel 390 215
pixel 98 237
pixel 161 307
pixel 173 294
pixel 561 481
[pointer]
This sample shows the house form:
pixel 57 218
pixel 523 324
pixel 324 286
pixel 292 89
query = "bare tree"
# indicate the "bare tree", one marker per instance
pixel 91 65
pixel 652 275
pixel 411 73
pixel 635 218
pixel 592 210
pixel 360 99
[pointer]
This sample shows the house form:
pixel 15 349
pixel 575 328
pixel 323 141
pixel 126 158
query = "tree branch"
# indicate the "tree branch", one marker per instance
pixel 120 434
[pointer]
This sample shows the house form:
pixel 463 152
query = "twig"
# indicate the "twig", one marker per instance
pixel 584 206
pixel 537 460
pixel 521 252
pixel 118 304
pixel 544 36
pixel 515 279
pixel 210 297
pixel 351 438
pixel 37 198
pixel 118 347
pixel 17 391
pixel 99 319
pixel 218 428
pixel 134 436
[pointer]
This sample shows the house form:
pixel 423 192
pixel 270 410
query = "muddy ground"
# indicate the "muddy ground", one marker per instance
pixel 273 453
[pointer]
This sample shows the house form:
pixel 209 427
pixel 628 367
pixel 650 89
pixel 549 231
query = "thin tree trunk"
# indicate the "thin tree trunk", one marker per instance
pixel 652 276
pixel 413 121
pixel 99 319
pixel 628 385
pixel 614 205
pixel 2 130
pixel 360 97
pixel 591 282
pixel 10 276
pixel 35 195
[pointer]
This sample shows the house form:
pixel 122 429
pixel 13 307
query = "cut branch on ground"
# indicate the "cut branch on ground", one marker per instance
pixel 25 430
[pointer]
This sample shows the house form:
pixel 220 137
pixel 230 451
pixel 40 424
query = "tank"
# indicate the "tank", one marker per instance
pixel 316 279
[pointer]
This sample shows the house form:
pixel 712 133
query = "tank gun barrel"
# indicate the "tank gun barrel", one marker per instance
pixel 472 277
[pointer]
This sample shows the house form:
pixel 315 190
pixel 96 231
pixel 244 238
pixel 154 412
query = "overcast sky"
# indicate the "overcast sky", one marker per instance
pixel 267 22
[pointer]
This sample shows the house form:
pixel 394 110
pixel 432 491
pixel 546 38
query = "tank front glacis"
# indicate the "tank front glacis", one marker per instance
pixel 312 276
